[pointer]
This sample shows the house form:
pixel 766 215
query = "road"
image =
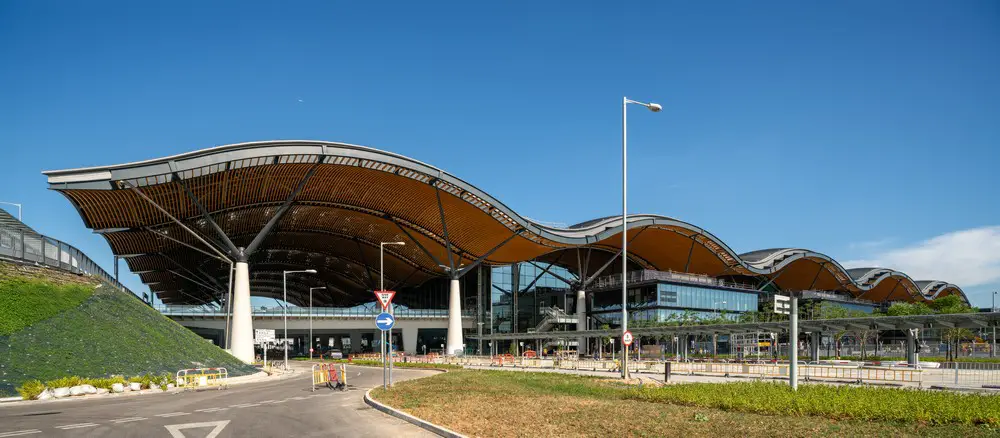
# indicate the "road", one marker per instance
pixel 282 408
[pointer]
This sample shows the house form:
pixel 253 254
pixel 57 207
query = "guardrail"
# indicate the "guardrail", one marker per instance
pixel 202 377
pixel 26 246
pixel 334 376
pixel 960 375
pixel 316 312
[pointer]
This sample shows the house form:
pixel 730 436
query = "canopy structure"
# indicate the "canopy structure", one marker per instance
pixel 182 222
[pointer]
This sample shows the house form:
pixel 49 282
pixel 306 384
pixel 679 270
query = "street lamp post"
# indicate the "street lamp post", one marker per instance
pixel 284 308
pixel 993 350
pixel 311 319
pixel 381 275
pixel 16 205
pixel 654 108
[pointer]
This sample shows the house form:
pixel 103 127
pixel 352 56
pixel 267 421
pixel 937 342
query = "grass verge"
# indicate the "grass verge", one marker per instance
pixel 508 403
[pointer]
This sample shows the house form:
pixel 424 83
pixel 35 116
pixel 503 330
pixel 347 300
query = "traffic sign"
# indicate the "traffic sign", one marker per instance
pixel 782 304
pixel 385 297
pixel 627 338
pixel 384 321
pixel 261 336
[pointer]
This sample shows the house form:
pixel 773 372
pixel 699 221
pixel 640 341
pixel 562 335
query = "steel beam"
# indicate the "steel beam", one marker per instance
pixel 233 251
pixel 466 269
pixel 444 226
pixel 257 241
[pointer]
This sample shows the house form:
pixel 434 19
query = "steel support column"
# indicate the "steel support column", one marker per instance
pixel 454 341
pixel 242 331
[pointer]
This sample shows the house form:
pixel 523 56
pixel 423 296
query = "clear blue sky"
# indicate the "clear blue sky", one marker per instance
pixel 850 128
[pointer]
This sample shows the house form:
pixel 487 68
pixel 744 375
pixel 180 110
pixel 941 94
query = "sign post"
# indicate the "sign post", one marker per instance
pixel 384 298
pixel 264 337
pixel 790 306
pixel 626 342
pixel 384 321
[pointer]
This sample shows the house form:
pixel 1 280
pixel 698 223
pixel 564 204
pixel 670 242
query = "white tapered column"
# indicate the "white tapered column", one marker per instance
pixel 242 331
pixel 581 321
pixel 454 341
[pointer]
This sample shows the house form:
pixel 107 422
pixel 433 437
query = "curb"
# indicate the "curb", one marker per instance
pixel 426 425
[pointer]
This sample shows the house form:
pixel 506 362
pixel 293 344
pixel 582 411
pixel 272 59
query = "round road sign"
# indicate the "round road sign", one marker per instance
pixel 627 338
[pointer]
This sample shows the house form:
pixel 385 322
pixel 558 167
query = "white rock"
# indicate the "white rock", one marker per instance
pixel 170 386
pixel 45 395
pixel 117 388
pixel 134 386
pixel 60 392
pixel 154 386
pixel 89 389
pixel 77 390
pixel 102 390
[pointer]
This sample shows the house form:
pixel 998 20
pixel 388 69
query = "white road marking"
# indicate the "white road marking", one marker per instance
pixel 280 401
pixel 175 429
pixel 298 398
pixel 128 420
pixel 211 409
pixel 266 401
pixel 172 414
pixel 20 432
pixel 76 426
pixel 244 405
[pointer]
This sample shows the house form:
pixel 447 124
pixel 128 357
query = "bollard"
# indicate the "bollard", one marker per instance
pixel 666 372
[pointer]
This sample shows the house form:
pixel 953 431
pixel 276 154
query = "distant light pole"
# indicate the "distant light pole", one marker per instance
pixel 311 319
pixel 16 205
pixel 993 351
pixel 654 108
pixel 284 308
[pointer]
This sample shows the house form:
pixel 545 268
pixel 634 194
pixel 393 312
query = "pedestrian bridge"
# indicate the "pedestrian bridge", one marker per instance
pixel 324 322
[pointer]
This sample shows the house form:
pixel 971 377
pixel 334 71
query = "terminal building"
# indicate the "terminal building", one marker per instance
pixel 217 226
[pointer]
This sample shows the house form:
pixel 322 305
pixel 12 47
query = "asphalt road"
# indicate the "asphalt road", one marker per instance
pixel 283 408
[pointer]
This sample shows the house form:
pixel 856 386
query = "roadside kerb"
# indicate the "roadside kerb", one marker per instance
pixel 423 424
pixel 426 425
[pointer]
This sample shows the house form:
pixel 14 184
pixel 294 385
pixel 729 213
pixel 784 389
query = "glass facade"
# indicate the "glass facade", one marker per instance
pixel 696 297
pixel 520 293
pixel 664 302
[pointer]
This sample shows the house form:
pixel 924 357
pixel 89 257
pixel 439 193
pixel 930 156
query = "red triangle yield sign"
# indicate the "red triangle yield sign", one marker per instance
pixel 385 297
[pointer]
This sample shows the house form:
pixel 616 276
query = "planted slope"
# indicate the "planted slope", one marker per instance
pixel 108 333
pixel 29 295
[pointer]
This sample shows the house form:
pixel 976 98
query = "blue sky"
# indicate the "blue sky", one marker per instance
pixel 863 130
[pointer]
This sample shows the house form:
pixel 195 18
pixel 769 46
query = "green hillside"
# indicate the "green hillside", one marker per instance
pixel 54 324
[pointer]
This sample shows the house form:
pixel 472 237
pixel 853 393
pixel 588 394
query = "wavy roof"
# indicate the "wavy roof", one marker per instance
pixel 344 199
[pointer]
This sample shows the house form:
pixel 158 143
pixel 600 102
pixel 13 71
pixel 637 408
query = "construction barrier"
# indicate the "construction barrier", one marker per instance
pixel 202 377
pixel 331 375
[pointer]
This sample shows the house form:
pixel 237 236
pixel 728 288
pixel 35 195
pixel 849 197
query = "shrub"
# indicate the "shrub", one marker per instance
pixel 30 389
pixel 65 382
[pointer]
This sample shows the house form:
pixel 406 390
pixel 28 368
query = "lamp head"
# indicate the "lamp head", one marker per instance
pixel 310 271
pixel 654 107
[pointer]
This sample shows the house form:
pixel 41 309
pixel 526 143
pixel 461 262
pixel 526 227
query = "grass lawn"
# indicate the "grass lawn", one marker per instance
pixel 26 299
pixel 513 404
pixel 101 333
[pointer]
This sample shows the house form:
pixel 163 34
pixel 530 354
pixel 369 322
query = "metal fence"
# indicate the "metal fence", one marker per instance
pixel 27 246
pixel 611 281
pixel 316 312
pixel 929 375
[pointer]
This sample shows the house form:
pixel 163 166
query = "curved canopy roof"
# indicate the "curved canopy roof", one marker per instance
pixel 327 206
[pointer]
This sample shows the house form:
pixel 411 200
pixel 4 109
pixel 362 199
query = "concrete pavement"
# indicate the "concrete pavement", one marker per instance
pixel 283 408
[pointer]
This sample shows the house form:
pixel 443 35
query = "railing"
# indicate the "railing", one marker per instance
pixel 316 312
pixel 201 377
pixel 26 246
pixel 612 281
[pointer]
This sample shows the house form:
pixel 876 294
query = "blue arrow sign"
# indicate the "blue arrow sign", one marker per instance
pixel 384 321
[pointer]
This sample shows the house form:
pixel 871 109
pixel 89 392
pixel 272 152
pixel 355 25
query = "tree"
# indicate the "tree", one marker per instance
pixel 906 309
pixel 953 337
